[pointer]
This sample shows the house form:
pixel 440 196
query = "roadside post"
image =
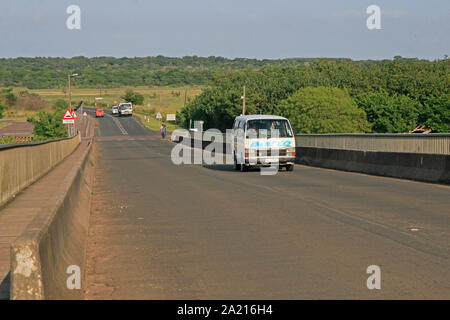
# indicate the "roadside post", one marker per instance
pixel 149 111
pixel 98 99
pixel 159 117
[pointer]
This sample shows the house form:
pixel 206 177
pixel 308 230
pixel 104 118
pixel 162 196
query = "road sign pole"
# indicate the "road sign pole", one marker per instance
pixel 68 119
pixel 159 117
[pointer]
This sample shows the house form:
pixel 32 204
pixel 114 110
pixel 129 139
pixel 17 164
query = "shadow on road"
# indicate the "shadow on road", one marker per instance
pixel 219 167
pixel 228 167
pixel 4 287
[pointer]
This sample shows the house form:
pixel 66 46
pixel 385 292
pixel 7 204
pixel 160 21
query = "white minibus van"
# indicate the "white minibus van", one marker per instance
pixel 262 140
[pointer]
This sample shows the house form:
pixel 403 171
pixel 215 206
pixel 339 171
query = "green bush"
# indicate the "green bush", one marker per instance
pixel 133 97
pixel 435 113
pixel 2 107
pixel 216 107
pixel 48 125
pixel 8 97
pixel 61 104
pixel 389 114
pixel 323 110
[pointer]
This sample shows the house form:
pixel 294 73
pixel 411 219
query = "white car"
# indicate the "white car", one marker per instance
pixel 260 140
pixel 115 110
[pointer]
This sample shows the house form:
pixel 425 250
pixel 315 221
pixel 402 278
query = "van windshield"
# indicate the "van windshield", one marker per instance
pixel 261 128
pixel 126 105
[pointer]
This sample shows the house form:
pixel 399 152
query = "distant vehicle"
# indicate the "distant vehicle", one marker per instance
pixel 99 113
pixel 125 109
pixel 254 145
pixel 115 110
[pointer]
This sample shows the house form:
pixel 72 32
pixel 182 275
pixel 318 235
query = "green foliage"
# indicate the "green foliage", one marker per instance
pixel 133 97
pixel 2 107
pixel 61 105
pixel 323 110
pixel 391 92
pixel 389 114
pixel 219 105
pixel 216 107
pixel 8 97
pixel 411 77
pixel 49 125
pixel 436 113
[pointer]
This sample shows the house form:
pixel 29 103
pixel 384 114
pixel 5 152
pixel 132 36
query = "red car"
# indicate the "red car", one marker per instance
pixel 99 113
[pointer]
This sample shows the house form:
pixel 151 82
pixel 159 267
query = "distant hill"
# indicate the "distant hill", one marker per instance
pixel 41 73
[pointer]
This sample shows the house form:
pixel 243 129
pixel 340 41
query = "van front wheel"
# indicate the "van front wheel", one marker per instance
pixel 290 167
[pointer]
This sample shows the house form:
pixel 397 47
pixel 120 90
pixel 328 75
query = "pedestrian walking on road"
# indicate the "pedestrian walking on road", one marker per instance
pixel 163 131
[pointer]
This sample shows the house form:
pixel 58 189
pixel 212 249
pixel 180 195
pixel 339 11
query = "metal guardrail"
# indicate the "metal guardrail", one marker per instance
pixel 430 143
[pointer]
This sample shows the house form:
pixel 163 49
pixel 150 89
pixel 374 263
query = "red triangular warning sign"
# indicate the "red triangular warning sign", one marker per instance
pixel 68 115
pixel 74 115
pixel 85 114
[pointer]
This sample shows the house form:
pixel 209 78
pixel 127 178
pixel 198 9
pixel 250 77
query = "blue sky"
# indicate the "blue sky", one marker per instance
pixel 228 28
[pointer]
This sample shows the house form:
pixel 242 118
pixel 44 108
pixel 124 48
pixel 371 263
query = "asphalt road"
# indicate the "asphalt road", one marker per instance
pixel 161 231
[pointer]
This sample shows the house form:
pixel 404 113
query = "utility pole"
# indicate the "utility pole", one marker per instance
pixel 185 96
pixel 243 103
pixel 70 92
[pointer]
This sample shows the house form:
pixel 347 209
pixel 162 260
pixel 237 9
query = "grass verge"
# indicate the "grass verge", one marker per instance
pixel 151 122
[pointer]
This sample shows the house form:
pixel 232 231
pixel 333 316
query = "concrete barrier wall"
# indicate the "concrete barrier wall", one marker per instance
pixel 415 166
pixel 55 240
pixel 423 157
pixel 22 165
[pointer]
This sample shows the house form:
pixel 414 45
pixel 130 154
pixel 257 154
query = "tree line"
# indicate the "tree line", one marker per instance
pixel 45 73
pixel 333 96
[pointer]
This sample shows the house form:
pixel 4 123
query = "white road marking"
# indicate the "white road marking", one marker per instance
pixel 118 124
